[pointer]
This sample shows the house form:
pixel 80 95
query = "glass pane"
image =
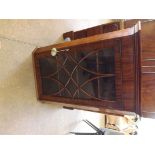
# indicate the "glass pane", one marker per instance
pixel 68 73
pixel 90 90
pixel 49 74
pixel 96 74
pixel 49 86
pixel 106 61
pixel 82 74
pixel 107 88
pixel 48 65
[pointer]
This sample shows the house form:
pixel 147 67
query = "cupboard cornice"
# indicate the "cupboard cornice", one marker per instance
pixel 91 39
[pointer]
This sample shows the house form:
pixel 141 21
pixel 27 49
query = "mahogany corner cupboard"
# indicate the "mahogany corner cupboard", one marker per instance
pixel 98 73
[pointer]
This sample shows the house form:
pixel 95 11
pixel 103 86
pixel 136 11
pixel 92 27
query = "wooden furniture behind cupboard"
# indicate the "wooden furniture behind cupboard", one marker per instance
pixel 99 72
pixel 147 65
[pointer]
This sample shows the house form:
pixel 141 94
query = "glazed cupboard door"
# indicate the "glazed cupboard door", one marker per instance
pixel 99 73
pixel 89 75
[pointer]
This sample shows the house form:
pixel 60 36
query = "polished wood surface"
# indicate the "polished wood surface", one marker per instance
pixel 148 94
pixel 148 69
pixel 147 66
pixel 100 29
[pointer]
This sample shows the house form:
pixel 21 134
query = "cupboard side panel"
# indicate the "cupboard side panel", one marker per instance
pixel 148 70
pixel 118 72
pixel 128 69
pixel 37 76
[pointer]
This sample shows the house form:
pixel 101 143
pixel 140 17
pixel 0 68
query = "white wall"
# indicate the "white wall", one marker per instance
pixel 20 112
pixel 146 127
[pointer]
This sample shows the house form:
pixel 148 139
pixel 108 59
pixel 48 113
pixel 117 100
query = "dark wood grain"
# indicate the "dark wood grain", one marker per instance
pixel 69 34
pixel 148 70
pixel 148 90
pixel 118 72
pixel 128 67
pixel 148 61
pixel 111 27
pixel 147 66
pixel 80 34
pixel 99 29
pixel 95 30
